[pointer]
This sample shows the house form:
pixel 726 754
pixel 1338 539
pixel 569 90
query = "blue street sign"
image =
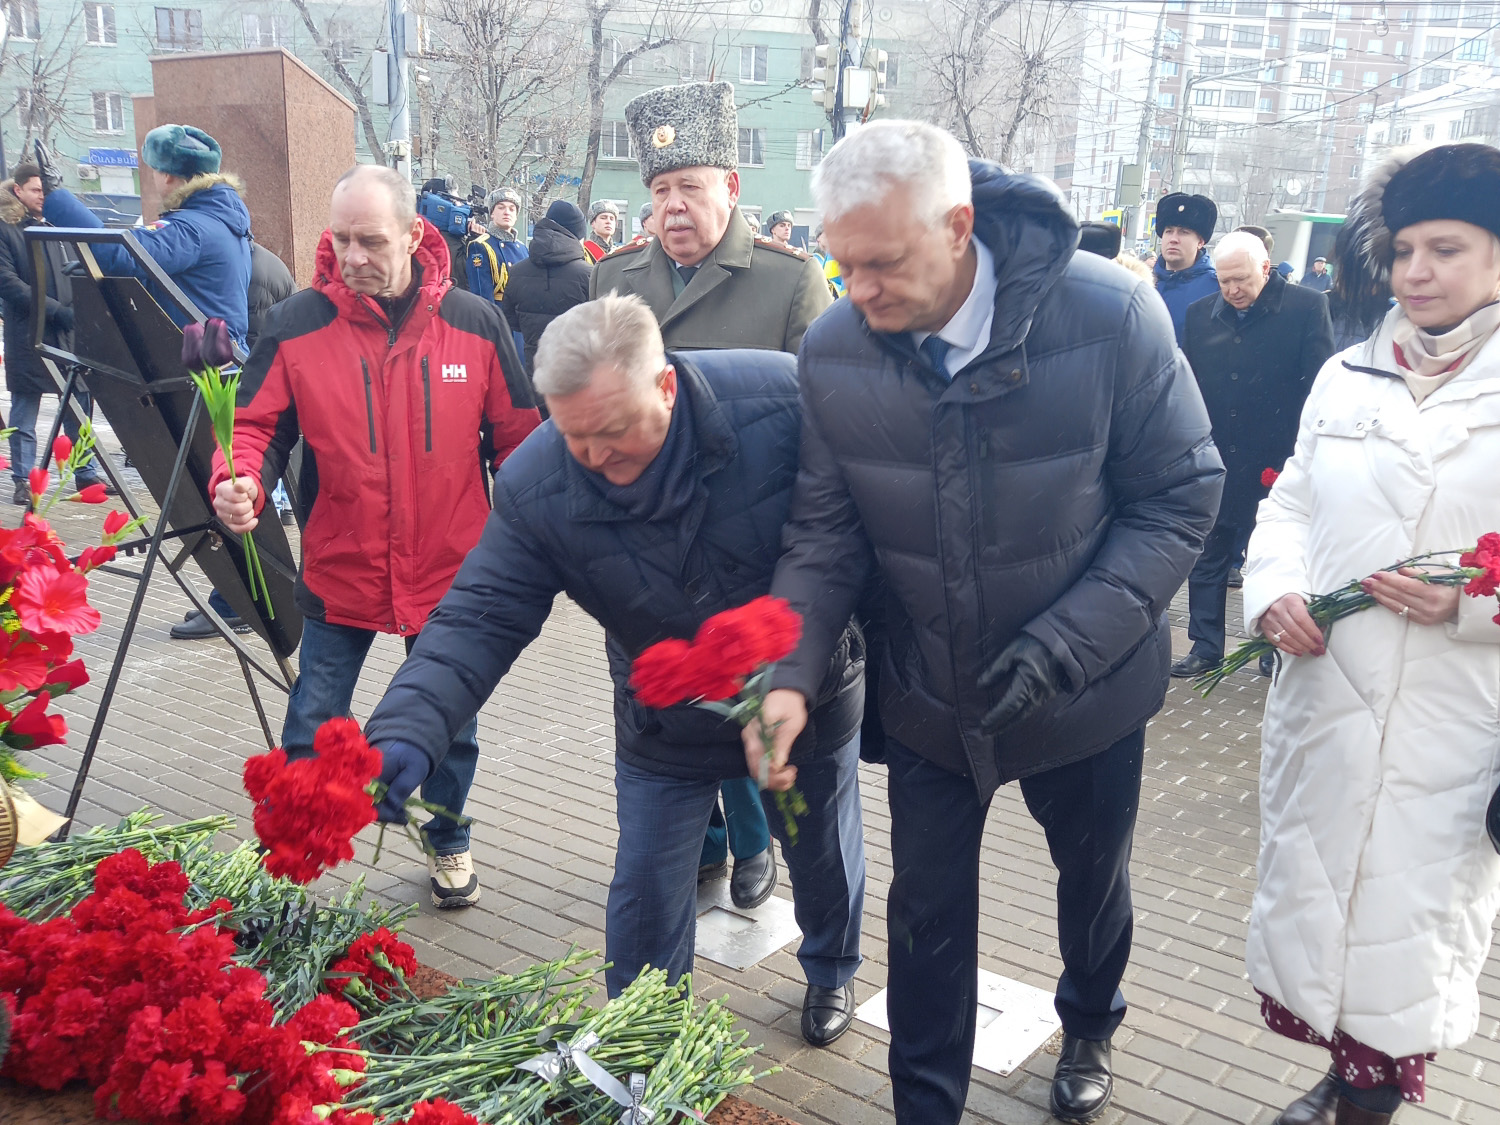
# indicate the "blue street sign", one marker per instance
pixel 112 157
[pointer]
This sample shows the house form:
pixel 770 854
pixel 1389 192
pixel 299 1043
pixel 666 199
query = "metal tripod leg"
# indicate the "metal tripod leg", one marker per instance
pixel 153 553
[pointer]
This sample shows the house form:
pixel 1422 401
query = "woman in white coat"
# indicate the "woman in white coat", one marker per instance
pixel 1381 742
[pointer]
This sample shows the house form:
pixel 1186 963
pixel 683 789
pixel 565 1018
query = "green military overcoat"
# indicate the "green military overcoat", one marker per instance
pixel 748 293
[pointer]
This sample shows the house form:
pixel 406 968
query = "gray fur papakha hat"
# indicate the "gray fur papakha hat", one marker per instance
pixel 684 127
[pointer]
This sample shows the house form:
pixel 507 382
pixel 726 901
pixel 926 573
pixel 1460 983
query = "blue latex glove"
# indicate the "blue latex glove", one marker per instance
pixel 403 767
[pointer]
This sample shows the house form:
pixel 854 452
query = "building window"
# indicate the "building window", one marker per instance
pixel 1205 97
pixel 1256 8
pixel 1313 39
pixel 1400 51
pixel 1265 105
pixel 893 71
pixel 809 148
pixel 265 30
pixel 1246 35
pixel 614 141
pixel 1445 12
pixel 1210 66
pixel 1439 45
pixel 1473 50
pixel 1239 99
pixel 109 113
pixel 1273 41
pixel 179 29
pixel 1062 171
pixel 1211 33
pixel 752 148
pixel 1316 10
pixel 1402 136
pixel 1371 78
pixel 1312 71
pixel 1336 78
pixel 25 20
pixel 1307 102
pixel 753 64
pixel 1428 132
pixel 1434 76
pixel 692 62
pixel 809 63
pixel 1473 123
pixel 99 24
pixel 341 39
pixel 1478 14
pixel 1455 129
pixel 1166 101
pixel 1269 74
pixel 1168 69
pixel 1172 37
pixel 1217 7
pixel 1375 47
pixel 613 50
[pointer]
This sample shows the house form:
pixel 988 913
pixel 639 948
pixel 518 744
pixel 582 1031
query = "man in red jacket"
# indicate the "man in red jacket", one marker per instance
pixel 395 381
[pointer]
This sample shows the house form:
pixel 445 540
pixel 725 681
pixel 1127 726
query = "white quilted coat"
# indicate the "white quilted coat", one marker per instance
pixel 1377 884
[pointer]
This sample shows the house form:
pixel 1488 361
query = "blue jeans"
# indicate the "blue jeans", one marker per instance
pixel 24 409
pixel 331 659
pixel 652 910
pixel 740 828
pixel 1087 810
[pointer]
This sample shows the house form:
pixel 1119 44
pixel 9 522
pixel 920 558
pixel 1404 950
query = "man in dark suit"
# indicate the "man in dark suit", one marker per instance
pixel 1255 349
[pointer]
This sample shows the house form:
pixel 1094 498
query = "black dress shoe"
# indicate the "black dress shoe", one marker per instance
pixel 22 494
pixel 200 628
pixel 753 880
pixel 1316 1107
pixel 1267 664
pixel 826 1013
pixel 710 871
pixel 1082 1084
pixel 1235 579
pixel 1191 665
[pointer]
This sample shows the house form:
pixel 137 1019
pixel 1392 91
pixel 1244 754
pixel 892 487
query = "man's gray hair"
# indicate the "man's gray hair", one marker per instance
pixel 614 331
pixel 403 195
pixel 864 167
pixel 1241 242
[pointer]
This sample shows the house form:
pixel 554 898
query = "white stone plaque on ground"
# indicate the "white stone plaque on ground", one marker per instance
pixel 1015 1021
pixel 739 938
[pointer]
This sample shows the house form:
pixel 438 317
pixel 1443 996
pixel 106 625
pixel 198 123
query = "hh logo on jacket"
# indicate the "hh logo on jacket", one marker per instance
pixel 455 373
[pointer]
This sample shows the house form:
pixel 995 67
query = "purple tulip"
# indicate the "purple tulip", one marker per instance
pixel 192 346
pixel 217 349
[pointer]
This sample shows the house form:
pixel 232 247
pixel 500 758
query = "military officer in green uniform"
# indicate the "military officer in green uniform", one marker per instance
pixel 710 280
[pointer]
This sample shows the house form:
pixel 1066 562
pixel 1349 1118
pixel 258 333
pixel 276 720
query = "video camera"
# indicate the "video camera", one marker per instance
pixel 441 206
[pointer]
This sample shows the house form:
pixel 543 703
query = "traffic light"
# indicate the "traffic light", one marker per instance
pixel 825 75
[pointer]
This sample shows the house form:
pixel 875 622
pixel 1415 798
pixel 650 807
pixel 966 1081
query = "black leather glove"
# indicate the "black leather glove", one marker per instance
pixel 1034 678
pixel 403 767
pixel 51 177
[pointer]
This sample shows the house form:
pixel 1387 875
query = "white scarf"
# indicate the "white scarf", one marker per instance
pixel 1432 360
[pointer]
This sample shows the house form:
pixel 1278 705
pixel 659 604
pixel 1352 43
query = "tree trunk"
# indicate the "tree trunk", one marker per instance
pixel 355 91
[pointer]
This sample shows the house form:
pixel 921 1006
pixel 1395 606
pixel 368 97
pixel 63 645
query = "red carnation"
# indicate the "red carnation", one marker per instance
pixel 38 480
pixel 361 961
pixel 308 812
pixel 439 1112
pixel 1485 556
pixel 92 558
pixel 62 449
pixel 1268 477
pixel 66 677
pixel 115 522
pixel 661 675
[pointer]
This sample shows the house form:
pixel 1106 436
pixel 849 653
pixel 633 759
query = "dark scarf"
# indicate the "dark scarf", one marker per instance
pixel 396 308
pixel 666 489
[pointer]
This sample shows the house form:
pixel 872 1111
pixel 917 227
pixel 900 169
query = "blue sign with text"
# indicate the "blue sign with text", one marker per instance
pixel 112 157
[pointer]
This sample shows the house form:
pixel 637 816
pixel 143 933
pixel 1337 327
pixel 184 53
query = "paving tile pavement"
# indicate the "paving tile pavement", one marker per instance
pixel 1192 1050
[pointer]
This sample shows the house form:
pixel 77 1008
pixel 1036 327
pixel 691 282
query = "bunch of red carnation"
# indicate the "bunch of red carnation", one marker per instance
pixel 1268 477
pixel 1484 558
pixel 727 650
pixel 139 997
pixel 376 959
pixel 308 812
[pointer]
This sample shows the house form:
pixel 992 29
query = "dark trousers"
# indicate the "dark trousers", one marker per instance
pixel 1208 588
pixel 652 912
pixel 1087 810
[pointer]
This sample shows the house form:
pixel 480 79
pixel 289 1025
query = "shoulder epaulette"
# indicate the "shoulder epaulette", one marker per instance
pixel 771 244
pixel 639 242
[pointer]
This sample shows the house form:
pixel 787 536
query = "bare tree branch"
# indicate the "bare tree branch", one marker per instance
pixel 353 87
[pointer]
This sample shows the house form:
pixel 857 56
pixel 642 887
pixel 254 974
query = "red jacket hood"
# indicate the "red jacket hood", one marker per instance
pixel 431 255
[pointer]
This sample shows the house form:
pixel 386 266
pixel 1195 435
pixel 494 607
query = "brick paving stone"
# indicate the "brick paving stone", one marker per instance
pixel 1192 1050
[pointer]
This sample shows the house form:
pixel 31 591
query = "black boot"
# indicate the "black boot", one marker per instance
pixel 1350 1114
pixel 1082 1084
pixel 1316 1107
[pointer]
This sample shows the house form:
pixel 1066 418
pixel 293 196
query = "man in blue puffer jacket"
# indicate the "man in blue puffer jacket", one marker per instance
pixel 201 240
pixel 1184 273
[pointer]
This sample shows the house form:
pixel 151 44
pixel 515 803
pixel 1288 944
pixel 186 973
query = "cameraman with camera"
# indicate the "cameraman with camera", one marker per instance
pixel 452 217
